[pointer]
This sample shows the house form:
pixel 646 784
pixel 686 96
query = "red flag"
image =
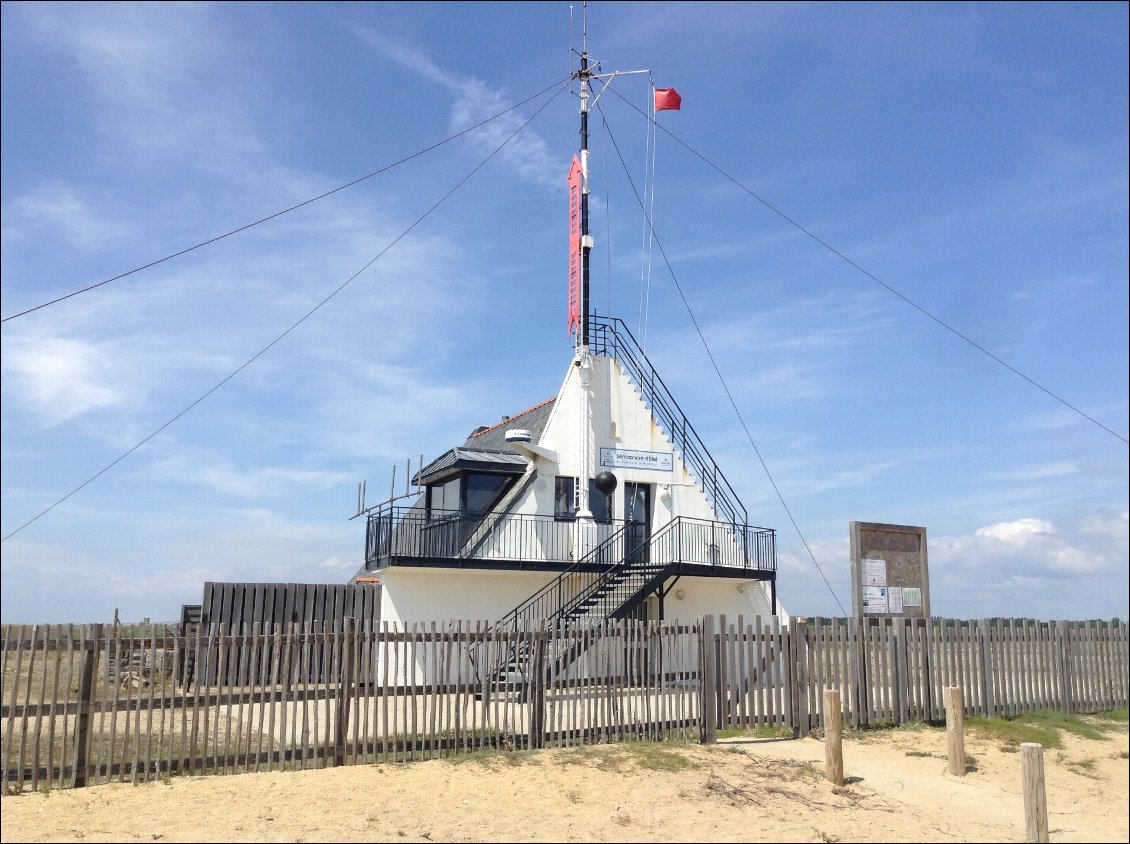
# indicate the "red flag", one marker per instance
pixel 667 98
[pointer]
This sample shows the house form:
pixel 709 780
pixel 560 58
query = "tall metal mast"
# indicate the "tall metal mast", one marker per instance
pixel 584 76
pixel 582 358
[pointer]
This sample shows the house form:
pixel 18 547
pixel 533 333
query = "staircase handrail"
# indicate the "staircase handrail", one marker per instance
pixel 624 348
pixel 557 584
pixel 629 562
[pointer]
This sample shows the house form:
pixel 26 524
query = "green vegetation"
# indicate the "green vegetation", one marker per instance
pixel 640 755
pixel 1045 727
pixel 644 756
pixel 1085 767
pixel 492 758
pixel 778 732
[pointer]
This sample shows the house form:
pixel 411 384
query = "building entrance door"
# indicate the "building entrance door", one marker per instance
pixel 637 513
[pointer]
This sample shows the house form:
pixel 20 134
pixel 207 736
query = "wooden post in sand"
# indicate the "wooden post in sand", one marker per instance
pixel 955 731
pixel 92 638
pixel 708 731
pixel 346 689
pixel 1035 797
pixel 833 737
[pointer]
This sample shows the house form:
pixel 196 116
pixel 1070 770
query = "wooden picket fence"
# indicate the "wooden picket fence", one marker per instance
pixel 894 671
pixel 89 704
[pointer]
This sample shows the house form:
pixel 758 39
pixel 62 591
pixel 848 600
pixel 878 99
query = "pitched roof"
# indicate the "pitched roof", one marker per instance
pixel 533 419
pixel 486 448
pixel 482 460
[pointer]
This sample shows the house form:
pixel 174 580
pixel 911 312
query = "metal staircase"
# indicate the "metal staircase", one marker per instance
pixel 608 583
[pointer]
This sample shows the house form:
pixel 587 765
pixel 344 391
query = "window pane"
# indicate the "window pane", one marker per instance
pixel 445 497
pixel 482 492
pixel 563 505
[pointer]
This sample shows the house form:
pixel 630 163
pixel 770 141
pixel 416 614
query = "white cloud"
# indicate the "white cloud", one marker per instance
pixel 59 377
pixel 247 482
pixel 1036 548
pixel 1037 472
pixel 1016 533
pixel 474 100
pixel 59 213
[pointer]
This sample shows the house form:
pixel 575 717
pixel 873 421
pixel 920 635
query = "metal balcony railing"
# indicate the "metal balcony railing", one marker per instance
pixel 412 533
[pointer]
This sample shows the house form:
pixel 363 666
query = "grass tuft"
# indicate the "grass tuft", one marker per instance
pixel 1045 727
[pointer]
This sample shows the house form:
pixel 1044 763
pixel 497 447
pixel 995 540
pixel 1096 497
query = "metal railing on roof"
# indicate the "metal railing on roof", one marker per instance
pixel 414 533
pixel 411 533
pixel 609 336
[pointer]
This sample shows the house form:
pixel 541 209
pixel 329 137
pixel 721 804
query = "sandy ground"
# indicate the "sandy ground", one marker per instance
pixel 740 790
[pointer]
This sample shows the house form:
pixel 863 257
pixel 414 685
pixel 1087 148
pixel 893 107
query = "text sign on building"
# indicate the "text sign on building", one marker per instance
pixel 622 458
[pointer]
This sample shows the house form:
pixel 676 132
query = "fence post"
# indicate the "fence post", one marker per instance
pixel 955 731
pixel 860 694
pixel 86 684
pixel 988 704
pixel 1035 796
pixel 804 711
pixel 833 737
pixel 1064 651
pixel 789 652
pixel 535 692
pixel 345 692
pixel 709 731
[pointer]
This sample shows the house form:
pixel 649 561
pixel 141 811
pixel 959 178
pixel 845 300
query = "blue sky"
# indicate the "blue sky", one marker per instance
pixel 971 156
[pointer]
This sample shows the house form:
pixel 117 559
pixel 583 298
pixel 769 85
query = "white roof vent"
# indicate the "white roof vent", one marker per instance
pixel 518 435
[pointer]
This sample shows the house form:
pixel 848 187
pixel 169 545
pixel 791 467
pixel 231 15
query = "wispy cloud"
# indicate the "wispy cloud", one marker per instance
pixel 254 482
pixel 527 154
pixel 1040 471
pixel 59 210
pixel 59 378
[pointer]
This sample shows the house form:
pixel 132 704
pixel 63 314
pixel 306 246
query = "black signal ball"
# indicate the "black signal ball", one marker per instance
pixel 605 482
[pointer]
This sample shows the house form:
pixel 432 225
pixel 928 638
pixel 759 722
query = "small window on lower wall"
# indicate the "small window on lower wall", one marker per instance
pixel 565 505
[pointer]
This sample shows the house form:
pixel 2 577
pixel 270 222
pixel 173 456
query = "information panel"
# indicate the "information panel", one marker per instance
pixel 889 571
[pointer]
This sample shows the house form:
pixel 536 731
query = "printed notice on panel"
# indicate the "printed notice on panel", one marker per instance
pixel 912 596
pixel 874 572
pixel 874 599
pixel 894 599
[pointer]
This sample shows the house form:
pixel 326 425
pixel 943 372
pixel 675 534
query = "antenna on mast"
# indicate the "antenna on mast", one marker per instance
pixel 412 489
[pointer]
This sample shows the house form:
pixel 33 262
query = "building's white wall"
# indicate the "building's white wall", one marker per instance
pixel 720 596
pixel 445 597
pixel 425 594
pixel 618 418
pixel 414 595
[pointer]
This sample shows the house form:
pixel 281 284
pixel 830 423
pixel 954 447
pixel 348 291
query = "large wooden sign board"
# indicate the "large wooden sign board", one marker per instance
pixel 890 577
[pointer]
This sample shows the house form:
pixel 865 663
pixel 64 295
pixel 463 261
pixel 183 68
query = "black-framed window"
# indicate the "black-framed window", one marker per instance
pixel 444 499
pixel 565 505
pixel 466 494
pixel 482 491
pixel 564 494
